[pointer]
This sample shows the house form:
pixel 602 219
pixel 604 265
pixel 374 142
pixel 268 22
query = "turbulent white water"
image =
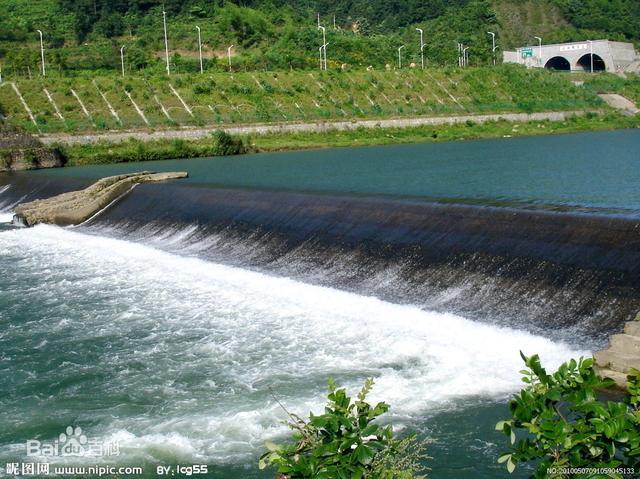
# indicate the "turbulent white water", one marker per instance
pixel 7 205
pixel 196 345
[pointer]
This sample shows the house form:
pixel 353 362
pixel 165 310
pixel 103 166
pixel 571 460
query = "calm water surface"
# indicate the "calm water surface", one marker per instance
pixel 590 170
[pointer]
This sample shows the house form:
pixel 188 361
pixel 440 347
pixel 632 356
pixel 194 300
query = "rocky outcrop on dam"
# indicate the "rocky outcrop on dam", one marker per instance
pixel 622 355
pixel 75 207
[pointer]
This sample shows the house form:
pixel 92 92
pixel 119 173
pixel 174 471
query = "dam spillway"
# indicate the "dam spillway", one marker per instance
pixel 573 273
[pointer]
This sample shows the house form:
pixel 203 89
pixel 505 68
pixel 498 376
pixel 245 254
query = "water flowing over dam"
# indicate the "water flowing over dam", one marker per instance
pixel 514 267
pixel 199 296
pixel 572 273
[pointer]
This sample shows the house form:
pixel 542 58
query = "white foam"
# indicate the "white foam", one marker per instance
pixel 240 332
pixel 6 217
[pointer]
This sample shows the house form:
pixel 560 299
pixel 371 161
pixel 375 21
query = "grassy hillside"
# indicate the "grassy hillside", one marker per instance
pixel 85 35
pixel 628 87
pixel 59 104
pixel 522 20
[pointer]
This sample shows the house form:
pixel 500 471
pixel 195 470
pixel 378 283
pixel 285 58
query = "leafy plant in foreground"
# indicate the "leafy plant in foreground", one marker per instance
pixel 558 422
pixel 345 443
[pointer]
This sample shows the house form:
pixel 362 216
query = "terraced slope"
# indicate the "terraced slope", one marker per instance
pixel 86 104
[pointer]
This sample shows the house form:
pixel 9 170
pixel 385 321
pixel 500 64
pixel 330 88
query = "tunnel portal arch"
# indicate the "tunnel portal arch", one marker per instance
pixel 584 63
pixel 558 63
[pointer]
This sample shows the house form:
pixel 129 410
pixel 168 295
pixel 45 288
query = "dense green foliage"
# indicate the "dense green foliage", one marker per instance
pixel 560 423
pixel 366 16
pixel 218 144
pixel 615 16
pixel 345 443
pixel 277 35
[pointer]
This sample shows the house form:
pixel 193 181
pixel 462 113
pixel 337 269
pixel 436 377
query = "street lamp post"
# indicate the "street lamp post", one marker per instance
pixel 324 43
pixel 323 49
pixel 421 47
pixel 200 48
pixel 166 41
pixel 44 72
pixel 400 57
pixel 493 46
pixel 465 56
pixel 229 55
pixel 122 58
pixel 539 49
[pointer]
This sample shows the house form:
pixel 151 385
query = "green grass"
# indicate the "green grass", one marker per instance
pixel 438 133
pixel 609 83
pixel 224 99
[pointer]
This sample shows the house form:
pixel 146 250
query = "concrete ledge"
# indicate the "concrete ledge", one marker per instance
pixel 76 207
pixel 622 355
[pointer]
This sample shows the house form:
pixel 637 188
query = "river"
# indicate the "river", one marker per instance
pixel 165 324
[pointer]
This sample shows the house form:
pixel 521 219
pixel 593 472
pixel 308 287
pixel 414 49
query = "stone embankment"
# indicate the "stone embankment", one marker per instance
pixel 76 207
pixel 622 355
pixel 20 150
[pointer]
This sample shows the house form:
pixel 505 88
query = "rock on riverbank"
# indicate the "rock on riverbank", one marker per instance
pixel 20 150
pixel 76 207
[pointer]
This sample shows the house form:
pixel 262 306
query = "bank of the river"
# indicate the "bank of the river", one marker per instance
pixel 137 149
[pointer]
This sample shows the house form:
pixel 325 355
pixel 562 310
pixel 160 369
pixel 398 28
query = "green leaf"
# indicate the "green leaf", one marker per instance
pixel 363 454
pixel 500 425
pixel 271 446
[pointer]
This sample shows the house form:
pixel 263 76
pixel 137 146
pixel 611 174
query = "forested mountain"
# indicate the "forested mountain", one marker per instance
pixel 614 16
pixel 278 34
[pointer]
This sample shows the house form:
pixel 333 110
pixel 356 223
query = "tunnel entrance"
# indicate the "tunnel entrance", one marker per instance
pixel 585 63
pixel 558 63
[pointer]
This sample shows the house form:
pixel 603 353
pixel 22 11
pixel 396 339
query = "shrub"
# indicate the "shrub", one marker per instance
pixel 6 159
pixel 345 442
pixel 202 88
pixel 31 158
pixel 559 422
pixel 225 144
